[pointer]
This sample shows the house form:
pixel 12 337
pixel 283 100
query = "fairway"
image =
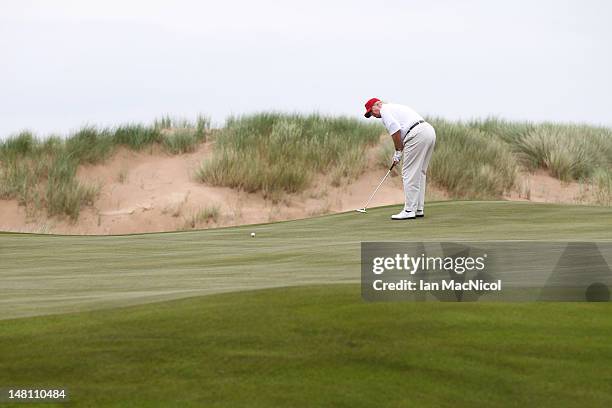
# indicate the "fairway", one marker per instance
pixel 44 274
pixel 295 331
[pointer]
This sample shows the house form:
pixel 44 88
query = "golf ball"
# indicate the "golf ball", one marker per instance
pixel 252 235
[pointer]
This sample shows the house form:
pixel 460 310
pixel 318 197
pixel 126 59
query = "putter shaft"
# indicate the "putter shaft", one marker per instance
pixel 379 184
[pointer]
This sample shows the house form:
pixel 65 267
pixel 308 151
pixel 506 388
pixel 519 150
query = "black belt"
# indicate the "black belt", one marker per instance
pixel 412 127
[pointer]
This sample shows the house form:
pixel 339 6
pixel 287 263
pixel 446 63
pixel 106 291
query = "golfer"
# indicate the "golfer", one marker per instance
pixel 414 141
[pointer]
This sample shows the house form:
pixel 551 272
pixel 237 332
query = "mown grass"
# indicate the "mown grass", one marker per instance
pixel 41 173
pixel 308 346
pixel 151 267
pixel 273 152
pixel 317 347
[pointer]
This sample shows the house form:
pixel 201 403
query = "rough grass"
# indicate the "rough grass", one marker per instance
pixel 90 145
pixel 273 152
pixel 180 135
pixel 45 179
pixel 602 181
pixel 281 153
pixel 568 152
pixel 41 173
pixel 469 162
pixel 182 140
pixel 482 157
pixel 385 153
pixel 64 194
pixel 210 213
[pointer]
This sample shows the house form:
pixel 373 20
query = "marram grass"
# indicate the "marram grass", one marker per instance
pixel 41 173
pixel 277 153
pixel 273 152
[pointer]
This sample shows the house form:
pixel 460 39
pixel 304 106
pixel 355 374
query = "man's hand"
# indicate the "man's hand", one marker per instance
pixel 397 156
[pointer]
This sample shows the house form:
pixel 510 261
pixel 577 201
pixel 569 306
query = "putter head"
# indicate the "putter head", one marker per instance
pixel 361 210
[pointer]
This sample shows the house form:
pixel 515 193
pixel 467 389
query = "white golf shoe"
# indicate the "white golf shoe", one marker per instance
pixel 404 215
pixel 420 213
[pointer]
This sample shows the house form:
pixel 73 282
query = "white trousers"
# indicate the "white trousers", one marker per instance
pixel 418 148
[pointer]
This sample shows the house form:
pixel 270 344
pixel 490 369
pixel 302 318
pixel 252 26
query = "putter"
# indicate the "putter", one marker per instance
pixel 363 210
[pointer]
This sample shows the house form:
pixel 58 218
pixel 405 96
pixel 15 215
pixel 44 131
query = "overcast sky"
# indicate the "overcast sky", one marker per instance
pixel 69 63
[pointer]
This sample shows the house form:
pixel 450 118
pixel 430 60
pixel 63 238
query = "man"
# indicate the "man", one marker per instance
pixel 414 141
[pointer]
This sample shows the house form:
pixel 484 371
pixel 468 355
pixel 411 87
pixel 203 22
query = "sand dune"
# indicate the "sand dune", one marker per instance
pixel 152 191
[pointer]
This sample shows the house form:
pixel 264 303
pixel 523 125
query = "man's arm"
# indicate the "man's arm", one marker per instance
pixel 397 155
pixel 394 129
pixel 397 141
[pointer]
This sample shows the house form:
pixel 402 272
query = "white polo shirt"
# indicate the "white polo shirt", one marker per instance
pixel 398 117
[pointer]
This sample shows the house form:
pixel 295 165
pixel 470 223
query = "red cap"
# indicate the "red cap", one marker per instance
pixel 368 106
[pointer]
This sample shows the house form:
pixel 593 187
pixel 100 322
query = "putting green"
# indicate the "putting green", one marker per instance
pixel 43 274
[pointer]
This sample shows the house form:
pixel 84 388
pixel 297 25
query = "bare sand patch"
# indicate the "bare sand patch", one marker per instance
pixel 540 187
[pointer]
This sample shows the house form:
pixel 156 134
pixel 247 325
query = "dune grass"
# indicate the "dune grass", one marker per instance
pixel 567 151
pixel 273 152
pixel 210 213
pixel 481 158
pixel 279 153
pixel 471 163
pixel 41 173
pixel 468 161
pixel 602 180
pixel 90 145
pixel 181 135
pixel 183 140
